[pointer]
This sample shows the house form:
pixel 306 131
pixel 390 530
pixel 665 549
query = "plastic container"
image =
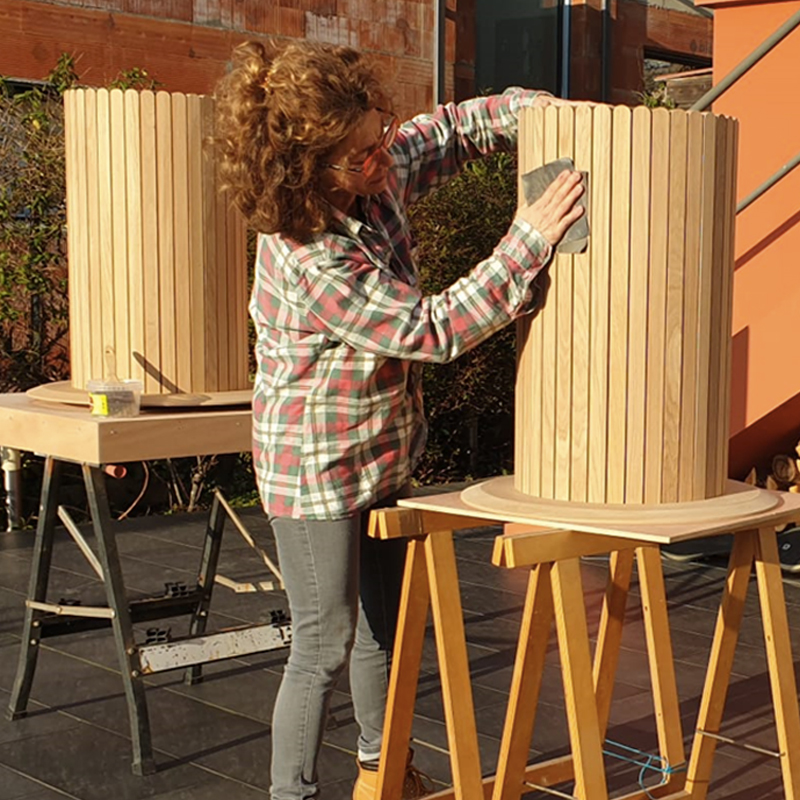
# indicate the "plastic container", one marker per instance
pixel 115 398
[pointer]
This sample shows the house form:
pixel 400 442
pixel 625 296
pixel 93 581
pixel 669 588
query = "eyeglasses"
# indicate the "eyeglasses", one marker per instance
pixel 369 165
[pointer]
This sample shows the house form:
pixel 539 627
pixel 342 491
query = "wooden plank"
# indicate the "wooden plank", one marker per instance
pixel 718 337
pixel 406 660
pixel 181 227
pixel 106 233
pixel 673 331
pixel 394 523
pixel 528 393
pixel 78 240
pixel 703 391
pixel 581 326
pixel 150 244
pixel 550 336
pixel 620 275
pixel 780 661
pixel 564 333
pixel 133 172
pixel 638 288
pixel 662 525
pixel 197 251
pixel 222 267
pixel 691 306
pixel 519 547
pixel 119 222
pixel 720 664
pixel 448 623
pixel 240 376
pixel 729 265
pixel 662 663
pixel 600 277
pixel 576 669
pixel 656 309
pixel 70 433
pixel 211 233
pixel 95 345
pixel 166 241
pixel 526 684
pixel 609 632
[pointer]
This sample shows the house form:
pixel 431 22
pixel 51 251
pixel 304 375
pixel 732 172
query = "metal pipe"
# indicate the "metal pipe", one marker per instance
pixel 439 50
pixel 12 481
pixel 740 69
pixel 605 57
pixel 565 46
pixel 768 184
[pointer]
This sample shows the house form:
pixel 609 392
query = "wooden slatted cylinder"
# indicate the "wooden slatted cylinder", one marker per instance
pixel 156 252
pixel 623 379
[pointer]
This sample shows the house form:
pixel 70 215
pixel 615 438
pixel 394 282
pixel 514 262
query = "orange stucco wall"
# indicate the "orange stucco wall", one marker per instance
pixel 765 404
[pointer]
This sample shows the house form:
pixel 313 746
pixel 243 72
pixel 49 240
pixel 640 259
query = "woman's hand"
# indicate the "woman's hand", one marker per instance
pixel 555 210
pixel 545 99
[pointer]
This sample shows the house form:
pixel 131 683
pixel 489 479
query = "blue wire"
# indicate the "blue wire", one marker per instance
pixel 665 768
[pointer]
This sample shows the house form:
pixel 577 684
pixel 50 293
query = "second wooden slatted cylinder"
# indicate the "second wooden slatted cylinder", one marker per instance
pixel 156 252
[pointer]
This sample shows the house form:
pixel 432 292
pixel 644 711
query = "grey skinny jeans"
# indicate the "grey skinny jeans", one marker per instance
pixel 344 591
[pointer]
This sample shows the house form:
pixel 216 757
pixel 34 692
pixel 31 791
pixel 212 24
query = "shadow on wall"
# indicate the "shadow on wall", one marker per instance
pixel 771 237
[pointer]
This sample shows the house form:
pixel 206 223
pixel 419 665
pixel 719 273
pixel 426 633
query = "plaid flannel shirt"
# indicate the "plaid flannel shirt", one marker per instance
pixel 342 327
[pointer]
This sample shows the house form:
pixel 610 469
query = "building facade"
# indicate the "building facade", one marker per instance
pixel 593 49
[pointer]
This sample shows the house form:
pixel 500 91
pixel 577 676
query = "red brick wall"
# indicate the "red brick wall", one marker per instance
pixel 185 43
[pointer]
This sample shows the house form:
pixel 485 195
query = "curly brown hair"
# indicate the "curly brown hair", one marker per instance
pixel 280 112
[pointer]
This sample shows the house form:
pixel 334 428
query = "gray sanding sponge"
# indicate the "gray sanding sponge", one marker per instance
pixel 534 183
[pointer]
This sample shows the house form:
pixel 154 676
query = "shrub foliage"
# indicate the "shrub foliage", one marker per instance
pixel 469 402
pixel 33 269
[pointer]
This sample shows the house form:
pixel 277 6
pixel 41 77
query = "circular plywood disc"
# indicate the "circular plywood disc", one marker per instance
pixel 64 392
pixel 499 495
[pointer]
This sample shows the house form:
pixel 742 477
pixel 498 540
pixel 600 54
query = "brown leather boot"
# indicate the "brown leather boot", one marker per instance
pixel 416 784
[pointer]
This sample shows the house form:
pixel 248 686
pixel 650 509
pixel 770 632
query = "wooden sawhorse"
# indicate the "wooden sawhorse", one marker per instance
pixel 552 551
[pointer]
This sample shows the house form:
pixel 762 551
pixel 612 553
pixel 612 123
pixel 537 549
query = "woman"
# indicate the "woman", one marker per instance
pixel 320 165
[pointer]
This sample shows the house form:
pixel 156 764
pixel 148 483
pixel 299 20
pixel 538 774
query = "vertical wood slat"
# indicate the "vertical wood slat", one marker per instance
pixel 220 273
pixel 133 166
pixel 691 290
pixel 166 242
pixel 211 254
pixel 106 239
pixel 197 252
pixel 657 313
pixel 657 306
pixel 727 326
pixel 550 337
pixel 528 450
pixel 581 322
pixel 620 267
pixel 564 269
pixel 151 355
pixel 182 231
pixel 720 331
pixel 76 201
pixel 600 274
pixel 704 309
pixel 638 289
pixel 95 344
pixel 673 330
pixel 240 309
pixel 119 220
